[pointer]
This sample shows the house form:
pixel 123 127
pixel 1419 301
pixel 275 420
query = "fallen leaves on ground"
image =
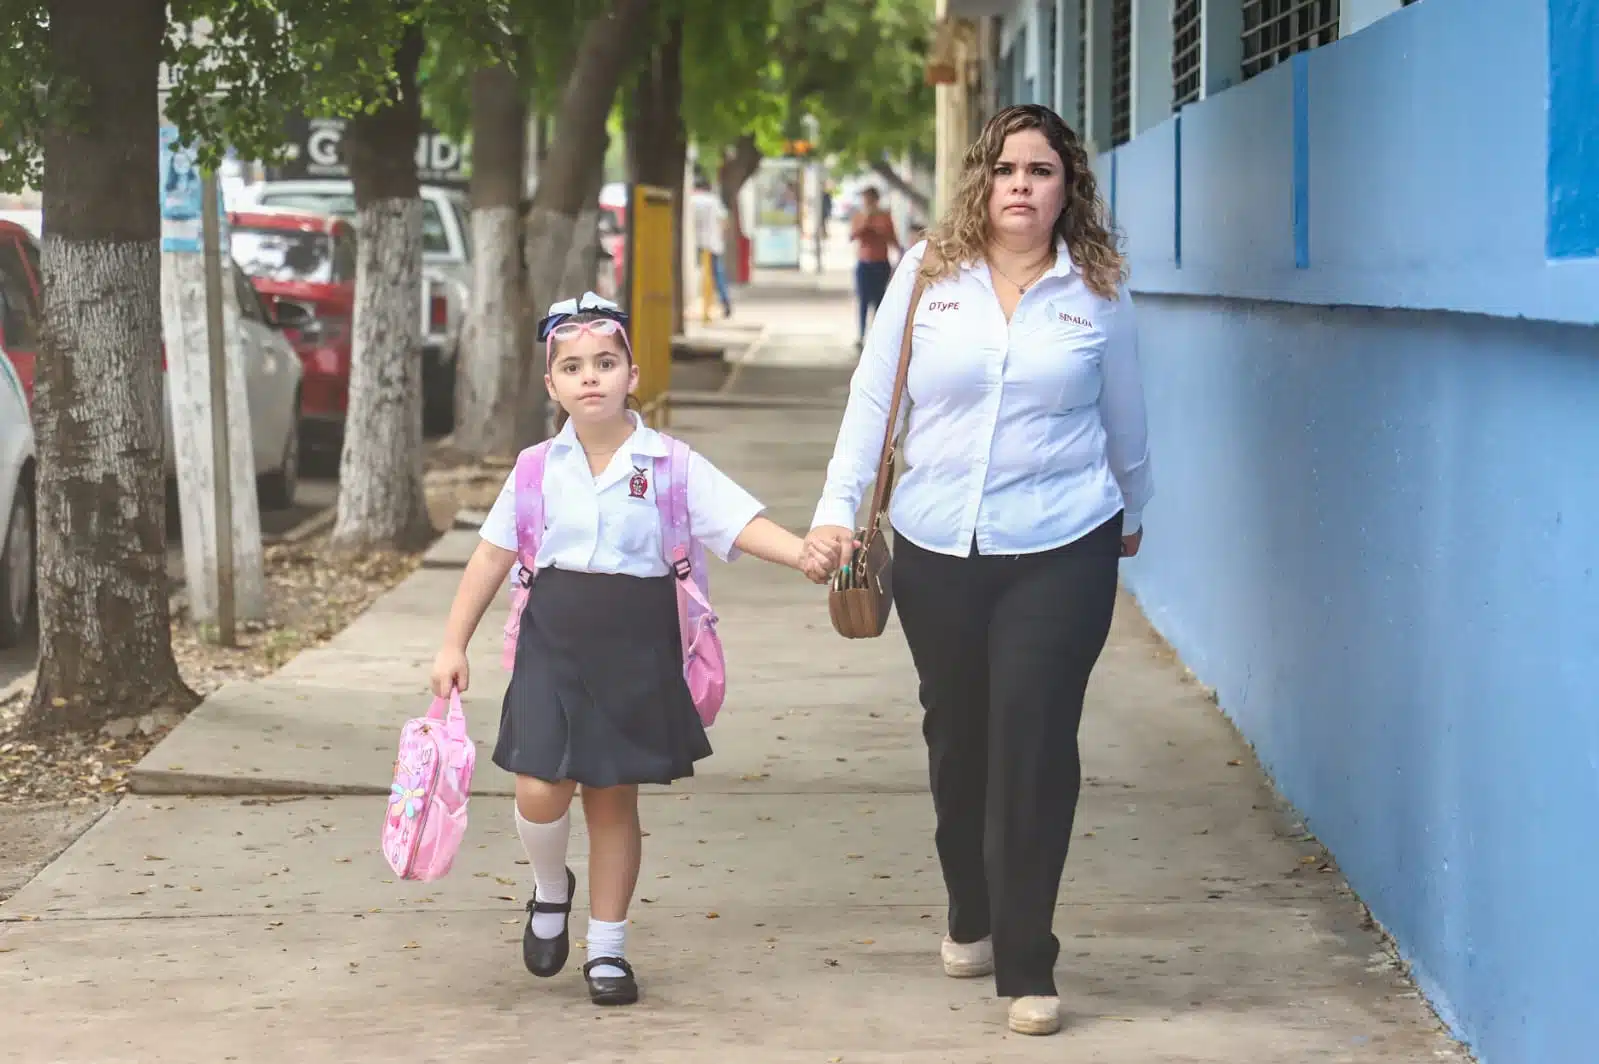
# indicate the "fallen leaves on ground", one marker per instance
pixel 310 598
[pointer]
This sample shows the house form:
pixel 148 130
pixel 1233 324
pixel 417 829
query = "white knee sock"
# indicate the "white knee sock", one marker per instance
pixel 546 852
pixel 607 939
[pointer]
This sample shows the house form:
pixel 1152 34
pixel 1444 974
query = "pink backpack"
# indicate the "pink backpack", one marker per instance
pixel 704 667
pixel 427 802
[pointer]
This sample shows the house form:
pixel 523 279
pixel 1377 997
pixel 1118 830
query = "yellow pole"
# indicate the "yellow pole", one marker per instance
pixel 706 289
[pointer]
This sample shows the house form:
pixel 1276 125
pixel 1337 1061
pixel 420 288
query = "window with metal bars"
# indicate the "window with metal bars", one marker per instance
pixel 1186 28
pixel 1005 82
pixel 1082 66
pixel 1050 10
pixel 1275 29
pixel 1024 84
pixel 1121 72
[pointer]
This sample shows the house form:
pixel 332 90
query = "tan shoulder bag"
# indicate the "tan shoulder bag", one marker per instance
pixel 862 593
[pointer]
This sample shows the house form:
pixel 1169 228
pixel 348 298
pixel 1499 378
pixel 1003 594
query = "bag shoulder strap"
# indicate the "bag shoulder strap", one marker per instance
pixel 884 488
pixel 677 524
pixel 530 502
pixel 671 499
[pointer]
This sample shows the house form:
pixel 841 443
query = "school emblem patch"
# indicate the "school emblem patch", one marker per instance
pixel 637 484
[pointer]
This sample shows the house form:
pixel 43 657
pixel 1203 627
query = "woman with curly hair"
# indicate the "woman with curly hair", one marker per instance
pixel 1026 471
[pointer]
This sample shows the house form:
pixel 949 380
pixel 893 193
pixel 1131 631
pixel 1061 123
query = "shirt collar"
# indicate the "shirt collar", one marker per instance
pixel 645 441
pixel 1063 264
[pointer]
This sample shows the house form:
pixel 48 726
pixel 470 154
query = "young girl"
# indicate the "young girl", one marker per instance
pixel 597 697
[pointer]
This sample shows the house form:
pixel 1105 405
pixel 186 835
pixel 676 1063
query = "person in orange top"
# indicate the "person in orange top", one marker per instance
pixel 873 230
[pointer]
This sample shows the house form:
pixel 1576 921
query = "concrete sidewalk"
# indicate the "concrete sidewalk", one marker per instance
pixel 790 907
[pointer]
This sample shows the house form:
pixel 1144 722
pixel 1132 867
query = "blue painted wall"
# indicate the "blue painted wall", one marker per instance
pixel 1429 175
pixel 1369 319
pixel 1377 537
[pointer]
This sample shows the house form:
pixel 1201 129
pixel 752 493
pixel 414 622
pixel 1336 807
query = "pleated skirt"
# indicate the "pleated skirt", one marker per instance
pixel 597 692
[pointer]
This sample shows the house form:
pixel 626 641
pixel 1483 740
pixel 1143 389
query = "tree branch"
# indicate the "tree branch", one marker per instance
pixel 920 199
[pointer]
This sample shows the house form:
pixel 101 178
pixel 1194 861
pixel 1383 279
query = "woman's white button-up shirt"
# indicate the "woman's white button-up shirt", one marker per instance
pixel 1021 436
pixel 610 523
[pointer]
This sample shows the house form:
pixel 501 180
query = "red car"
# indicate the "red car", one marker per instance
pixel 303 264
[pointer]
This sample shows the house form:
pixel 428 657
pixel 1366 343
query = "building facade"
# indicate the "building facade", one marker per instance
pixel 1364 243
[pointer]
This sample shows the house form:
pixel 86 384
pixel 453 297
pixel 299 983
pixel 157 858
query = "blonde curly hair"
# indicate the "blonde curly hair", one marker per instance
pixel 961 235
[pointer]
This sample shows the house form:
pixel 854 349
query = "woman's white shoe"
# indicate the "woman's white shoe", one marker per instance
pixel 968 960
pixel 1035 1015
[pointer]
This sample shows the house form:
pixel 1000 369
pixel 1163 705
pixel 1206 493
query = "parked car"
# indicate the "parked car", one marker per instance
pixel 273 380
pixel 18 556
pixel 271 368
pixel 446 273
pixel 613 251
pixel 303 266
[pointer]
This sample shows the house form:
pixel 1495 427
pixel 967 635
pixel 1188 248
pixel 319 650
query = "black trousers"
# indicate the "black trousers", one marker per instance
pixel 1003 647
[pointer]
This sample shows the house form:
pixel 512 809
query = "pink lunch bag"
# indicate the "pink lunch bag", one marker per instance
pixel 426 820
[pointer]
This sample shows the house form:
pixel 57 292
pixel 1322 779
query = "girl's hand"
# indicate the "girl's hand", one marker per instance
pixel 450 670
pixel 827 547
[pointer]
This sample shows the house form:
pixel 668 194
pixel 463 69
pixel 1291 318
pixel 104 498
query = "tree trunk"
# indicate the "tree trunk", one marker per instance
pixel 657 142
pixel 382 503
pixel 570 175
pixel 891 178
pixel 572 170
pixel 583 254
pixel 491 365
pixel 105 639
pixel 737 168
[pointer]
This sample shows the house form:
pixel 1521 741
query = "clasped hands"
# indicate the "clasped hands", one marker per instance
pixel 826 547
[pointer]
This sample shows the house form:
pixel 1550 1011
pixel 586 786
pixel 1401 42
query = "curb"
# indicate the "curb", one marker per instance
pixel 303 531
pixel 747 355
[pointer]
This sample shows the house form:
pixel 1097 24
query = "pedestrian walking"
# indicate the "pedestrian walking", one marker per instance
pixel 873 232
pixel 1026 472
pixel 597 698
pixel 710 238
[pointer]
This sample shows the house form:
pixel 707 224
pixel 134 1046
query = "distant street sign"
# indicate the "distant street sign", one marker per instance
pixel 316 149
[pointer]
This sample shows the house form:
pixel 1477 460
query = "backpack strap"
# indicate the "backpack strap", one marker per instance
pixel 677 527
pixel 530 507
pixel 671 501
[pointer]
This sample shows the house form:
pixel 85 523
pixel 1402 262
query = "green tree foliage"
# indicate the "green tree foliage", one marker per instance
pixel 252 65
pixel 760 67
pixel 860 75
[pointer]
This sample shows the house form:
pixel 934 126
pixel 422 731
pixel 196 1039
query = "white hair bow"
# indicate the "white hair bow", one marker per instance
pixel 588 301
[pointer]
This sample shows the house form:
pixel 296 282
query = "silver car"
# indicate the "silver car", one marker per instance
pixel 272 383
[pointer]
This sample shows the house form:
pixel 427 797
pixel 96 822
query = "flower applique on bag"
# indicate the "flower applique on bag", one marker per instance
pixel 427 805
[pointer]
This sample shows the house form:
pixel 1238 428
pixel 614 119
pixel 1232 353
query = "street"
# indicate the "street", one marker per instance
pixel 314 495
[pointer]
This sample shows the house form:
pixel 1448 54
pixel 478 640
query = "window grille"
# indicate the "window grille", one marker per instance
pixel 1023 92
pixel 1050 9
pixel 1082 67
pixel 1186 30
pixel 1276 29
pixel 1006 80
pixel 1121 72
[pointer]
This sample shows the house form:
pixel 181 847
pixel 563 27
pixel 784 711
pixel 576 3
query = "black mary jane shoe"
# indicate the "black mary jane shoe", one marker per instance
pixel 545 957
pixel 611 989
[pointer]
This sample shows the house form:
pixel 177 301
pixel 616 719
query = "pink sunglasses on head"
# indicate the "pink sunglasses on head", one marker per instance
pixel 571 330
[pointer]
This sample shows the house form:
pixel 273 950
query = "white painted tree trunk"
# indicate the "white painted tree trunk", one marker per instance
pixel 105 645
pixel 382 501
pixel 583 255
pixel 491 369
pixel 183 327
pixel 549 242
